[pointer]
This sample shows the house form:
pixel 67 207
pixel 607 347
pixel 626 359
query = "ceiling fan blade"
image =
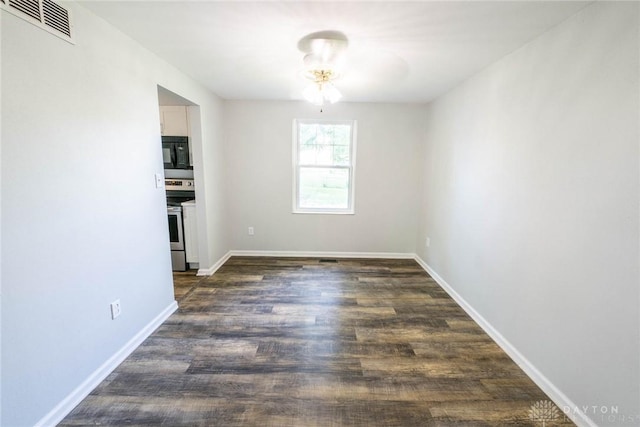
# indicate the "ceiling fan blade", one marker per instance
pixel 367 64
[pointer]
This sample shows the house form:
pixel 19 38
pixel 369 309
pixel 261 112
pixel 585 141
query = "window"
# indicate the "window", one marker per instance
pixel 324 163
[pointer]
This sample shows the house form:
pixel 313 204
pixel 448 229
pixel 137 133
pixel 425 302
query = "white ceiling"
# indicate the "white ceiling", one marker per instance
pixel 398 51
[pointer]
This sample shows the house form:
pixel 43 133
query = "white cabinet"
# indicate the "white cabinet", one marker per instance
pixel 190 231
pixel 174 120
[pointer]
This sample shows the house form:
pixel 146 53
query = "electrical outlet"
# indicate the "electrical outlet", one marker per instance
pixel 115 309
pixel 428 242
pixel 251 231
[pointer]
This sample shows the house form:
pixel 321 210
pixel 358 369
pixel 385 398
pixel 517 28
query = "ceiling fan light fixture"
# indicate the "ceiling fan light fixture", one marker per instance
pixel 322 89
pixel 323 62
pixel 331 93
pixel 319 93
pixel 333 63
pixel 313 94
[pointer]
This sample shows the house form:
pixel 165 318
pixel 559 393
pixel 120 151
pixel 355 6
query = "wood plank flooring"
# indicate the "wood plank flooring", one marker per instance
pixel 311 342
pixel 184 282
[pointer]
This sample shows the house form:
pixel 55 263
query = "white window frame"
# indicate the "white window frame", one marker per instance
pixel 349 210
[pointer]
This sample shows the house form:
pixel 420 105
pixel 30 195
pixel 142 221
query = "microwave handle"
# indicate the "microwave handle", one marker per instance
pixel 173 155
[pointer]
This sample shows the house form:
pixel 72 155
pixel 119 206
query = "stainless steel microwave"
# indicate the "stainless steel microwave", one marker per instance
pixel 175 152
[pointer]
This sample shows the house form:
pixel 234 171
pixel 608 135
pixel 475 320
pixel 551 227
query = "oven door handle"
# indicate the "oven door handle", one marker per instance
pixel 173 155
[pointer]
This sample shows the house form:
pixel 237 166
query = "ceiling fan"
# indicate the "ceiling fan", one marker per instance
pixel 370 65
pixel 323 61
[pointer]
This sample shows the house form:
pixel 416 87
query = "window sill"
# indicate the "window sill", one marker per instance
pixel 323 212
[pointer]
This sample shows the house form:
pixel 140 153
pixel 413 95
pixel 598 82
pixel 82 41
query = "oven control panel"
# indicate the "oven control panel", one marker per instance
pixel 173 184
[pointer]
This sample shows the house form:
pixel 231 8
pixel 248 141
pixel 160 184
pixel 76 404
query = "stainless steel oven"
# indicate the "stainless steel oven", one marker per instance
pixel 176 235
pixel 176 238
pixel 178 191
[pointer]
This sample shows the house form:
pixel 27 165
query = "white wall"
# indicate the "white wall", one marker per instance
pixel 258 139
pixel 211 193
pixel 531 202
pixel 82 223
pixel 530 199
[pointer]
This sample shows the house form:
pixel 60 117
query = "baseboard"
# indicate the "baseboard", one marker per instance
pixel 301 254
pixel 63 408
pixel 554 393
pixel 320 254
pixel 209 271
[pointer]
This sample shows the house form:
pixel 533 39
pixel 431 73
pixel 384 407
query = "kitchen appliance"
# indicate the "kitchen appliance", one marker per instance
pixel 175 152
pixel 178 191
pixel 176 238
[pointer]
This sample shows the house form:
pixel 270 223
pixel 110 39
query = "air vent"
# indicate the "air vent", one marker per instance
pixel 30 7
pixel 45 14
pixel 56 17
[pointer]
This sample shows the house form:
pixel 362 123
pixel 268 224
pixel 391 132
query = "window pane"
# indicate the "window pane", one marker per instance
pixel 324 188
pixel 324 144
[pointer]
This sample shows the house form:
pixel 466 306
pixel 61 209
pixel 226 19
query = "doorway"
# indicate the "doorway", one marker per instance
pixel 180 130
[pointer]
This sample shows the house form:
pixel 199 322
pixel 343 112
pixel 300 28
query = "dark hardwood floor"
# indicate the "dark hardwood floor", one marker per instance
pixel 310 342
pixel 184 282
